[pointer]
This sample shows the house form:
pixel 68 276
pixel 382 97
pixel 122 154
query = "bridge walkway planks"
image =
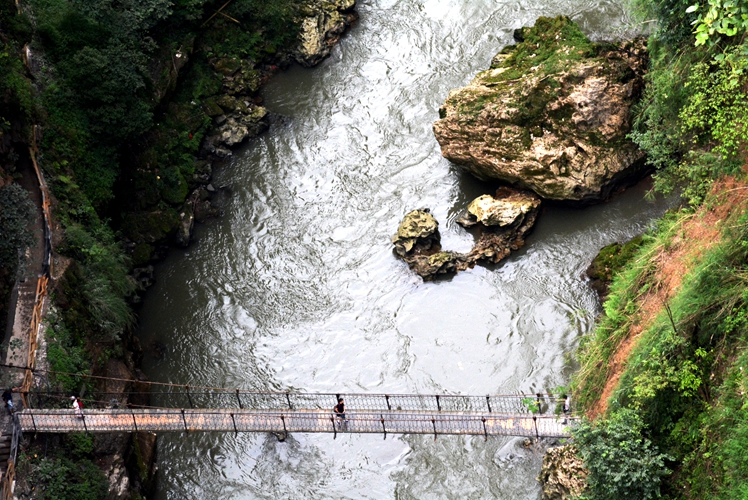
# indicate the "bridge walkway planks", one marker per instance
pixel 243 420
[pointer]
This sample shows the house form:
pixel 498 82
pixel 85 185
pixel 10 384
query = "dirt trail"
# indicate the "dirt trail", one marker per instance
pixel 696 235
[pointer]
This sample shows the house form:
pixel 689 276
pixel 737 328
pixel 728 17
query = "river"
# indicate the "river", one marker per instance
pixel 296 286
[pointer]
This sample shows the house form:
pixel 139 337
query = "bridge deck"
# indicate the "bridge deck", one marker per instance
pixel 241 420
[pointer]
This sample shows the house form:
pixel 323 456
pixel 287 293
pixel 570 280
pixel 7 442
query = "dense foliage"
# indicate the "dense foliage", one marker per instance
pixel 684 383
pixel 70 473
pixel 621 462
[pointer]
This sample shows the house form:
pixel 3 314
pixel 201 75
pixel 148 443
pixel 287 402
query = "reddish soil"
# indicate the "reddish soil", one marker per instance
pixel 698 233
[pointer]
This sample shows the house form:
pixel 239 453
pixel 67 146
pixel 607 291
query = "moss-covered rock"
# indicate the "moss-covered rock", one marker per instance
pixel 551 114
pixel 611 259
pixel 150 227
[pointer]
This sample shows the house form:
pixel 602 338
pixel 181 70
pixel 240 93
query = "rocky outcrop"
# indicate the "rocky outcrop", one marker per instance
pixel 551 114
pixel 502 222
pixel 563 475
pixel 322 24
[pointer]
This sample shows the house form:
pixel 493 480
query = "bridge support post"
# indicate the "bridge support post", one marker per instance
pixel 537 434
pixel 85 427
pixel 184 420
pixel 33 421
pixel 386 397
pixel 438 405
pixel 189 397
pixel 384 429
pixel 334 430
pixel 433 422
pixel 234 422
pixel 239 399
pixel 288 400
pixel 134 422
pixel 488 403
pixel 485 431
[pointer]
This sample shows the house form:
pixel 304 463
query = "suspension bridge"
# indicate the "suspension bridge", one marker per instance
pixel 223 410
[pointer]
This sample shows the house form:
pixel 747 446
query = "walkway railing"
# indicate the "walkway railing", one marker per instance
pixel 186 397
pixel 243 420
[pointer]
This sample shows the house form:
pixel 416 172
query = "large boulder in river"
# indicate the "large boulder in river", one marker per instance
pixel 322 23
pixel 551 114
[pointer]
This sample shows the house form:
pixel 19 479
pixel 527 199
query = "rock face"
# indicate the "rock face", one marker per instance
pixel 502 222
pixel 551 114
pixel 508 217
pixel 563 475
pixel 323 23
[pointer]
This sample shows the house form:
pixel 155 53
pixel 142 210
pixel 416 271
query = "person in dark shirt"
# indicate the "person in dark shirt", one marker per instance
pixel 8 400
pixel 339 410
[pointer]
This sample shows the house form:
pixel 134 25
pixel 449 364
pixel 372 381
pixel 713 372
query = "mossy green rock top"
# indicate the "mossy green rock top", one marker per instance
pixel 550 115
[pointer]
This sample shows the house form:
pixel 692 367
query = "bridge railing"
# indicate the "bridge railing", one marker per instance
pixel 233 420
pixel 185 397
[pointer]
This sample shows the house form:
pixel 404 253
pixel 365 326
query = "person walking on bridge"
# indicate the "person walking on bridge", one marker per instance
pixel 77 407
pixel 339 410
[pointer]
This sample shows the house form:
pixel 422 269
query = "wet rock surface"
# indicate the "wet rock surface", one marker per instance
pixel 502 221
pixel 324 21
pixel 551 114
pixel 563 475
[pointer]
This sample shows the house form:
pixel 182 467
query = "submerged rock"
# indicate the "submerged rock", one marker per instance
pixel 563 475
pixel 550 115
pixel 503 221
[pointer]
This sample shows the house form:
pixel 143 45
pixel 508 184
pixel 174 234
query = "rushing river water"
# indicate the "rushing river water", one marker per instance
pixel 296 287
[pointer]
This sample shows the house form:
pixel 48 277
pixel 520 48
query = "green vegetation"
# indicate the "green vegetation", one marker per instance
pixel 621 463
pixel 683 386
pixel 70 473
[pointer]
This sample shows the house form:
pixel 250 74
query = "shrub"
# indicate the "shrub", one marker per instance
pixel 622 462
